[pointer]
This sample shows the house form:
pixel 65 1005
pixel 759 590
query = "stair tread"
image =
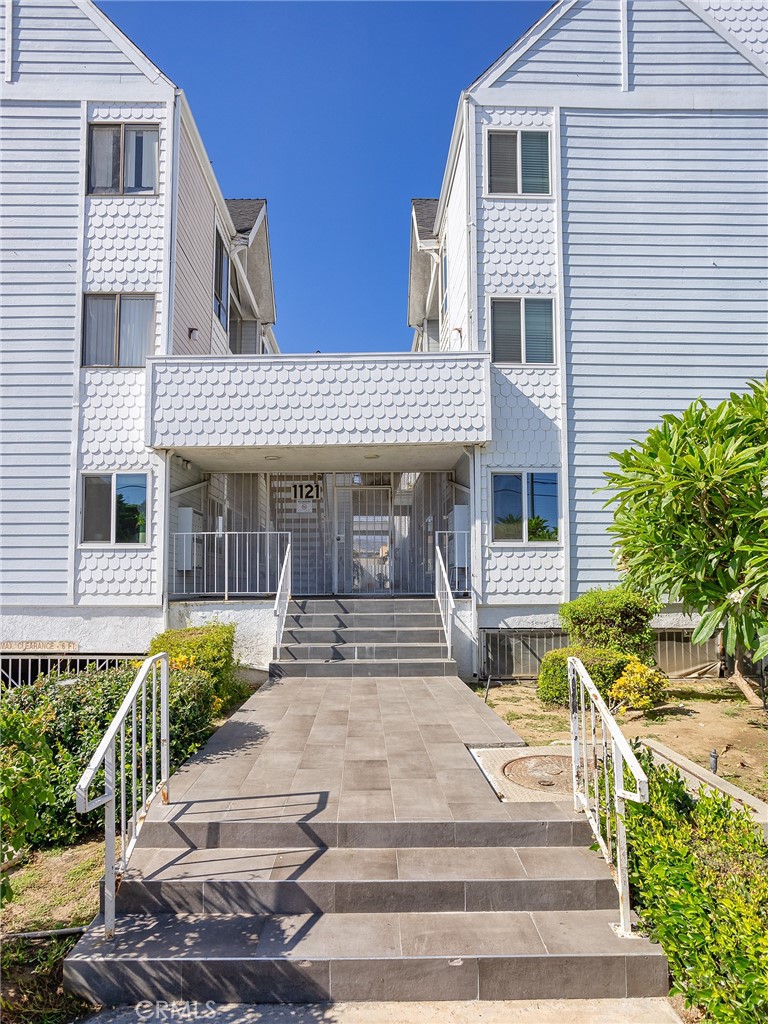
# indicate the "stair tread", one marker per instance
pixel 332 936
pixel 367 864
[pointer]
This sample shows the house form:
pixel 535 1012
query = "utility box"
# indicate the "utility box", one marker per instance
pixel 458 523
pixel 189 540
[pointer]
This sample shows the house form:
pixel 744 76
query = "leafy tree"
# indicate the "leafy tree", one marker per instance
pixel 691 518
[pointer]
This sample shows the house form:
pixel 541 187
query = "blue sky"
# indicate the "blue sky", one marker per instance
pixel 338 113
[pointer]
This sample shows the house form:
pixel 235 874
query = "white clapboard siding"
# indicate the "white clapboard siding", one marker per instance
pixel 193 300
pixel 38 279
pixel 582 48
pixel 54 37
pixel 670 45
pixel 665 278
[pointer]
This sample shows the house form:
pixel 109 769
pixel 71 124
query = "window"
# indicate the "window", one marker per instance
pixel 122 159
pixel 522 331
pixel 221 281
pixel 525 507
pixel 518 163
pixel 118 330
pixel 115 508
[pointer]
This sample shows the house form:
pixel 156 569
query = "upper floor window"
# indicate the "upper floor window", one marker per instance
pixel 122 159
pixel 525 507
pixel 522 331
pixel 118 330
pixel 518 163
pixel 221 281
pixel 114 508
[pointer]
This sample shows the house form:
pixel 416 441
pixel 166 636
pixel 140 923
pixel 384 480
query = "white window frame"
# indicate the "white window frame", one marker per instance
pixel 512 296
pixel 112 543
pixel 489 129
pixel 118 297
pixel 122 125
pixel 220 233
pixel 524 542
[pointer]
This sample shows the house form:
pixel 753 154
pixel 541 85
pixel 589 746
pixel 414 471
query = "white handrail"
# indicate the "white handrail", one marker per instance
pixel 146 779
pixel 598 745
pixel 444 598
pixel 282 598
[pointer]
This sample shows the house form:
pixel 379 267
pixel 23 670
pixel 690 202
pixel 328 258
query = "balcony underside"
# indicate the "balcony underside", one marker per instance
pixel 399 458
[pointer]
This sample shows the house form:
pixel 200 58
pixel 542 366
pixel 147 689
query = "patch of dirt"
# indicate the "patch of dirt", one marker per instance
pixel 55 889
pixel 699 716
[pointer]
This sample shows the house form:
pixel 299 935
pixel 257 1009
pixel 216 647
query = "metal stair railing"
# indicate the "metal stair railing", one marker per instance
pixel 602 760
pixel 444 599
pixel 134 756
pixel 282 598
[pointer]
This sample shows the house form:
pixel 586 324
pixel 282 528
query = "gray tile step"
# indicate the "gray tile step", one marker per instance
pixel 340 652
pixel 364 605
pixel 308 881
pixel 349 957
pixel 364 620
pixel 363 635
pixel 361 669
pixel 531 824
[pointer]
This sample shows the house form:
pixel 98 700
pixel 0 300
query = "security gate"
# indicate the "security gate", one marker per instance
pixel 363 540
pixel 361 533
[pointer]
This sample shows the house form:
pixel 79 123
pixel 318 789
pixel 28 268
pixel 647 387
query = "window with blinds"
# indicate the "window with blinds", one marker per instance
pixel 522 331
pixel 518 163
pixel 122 159
pixel 118 330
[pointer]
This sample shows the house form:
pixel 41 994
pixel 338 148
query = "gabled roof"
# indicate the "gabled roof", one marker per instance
pixel 424 211
pixel 745 20
pixel 245 213
pixel 121 41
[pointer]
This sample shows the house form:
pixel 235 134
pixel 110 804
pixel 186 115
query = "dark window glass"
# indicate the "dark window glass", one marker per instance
pixel 97 508
pixel 534 156
pixel 221 281
pixel 99 330
pixel 140 160
pixel 539 343
pixel 508 506
pixel 130 508
pixel 542 507
pixel 104 159
pixel 502 162
pixel 506 338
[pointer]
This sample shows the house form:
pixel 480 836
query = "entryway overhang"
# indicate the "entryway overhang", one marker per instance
pixel 409 411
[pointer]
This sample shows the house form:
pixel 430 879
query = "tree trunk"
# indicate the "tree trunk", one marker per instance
pixel 738 679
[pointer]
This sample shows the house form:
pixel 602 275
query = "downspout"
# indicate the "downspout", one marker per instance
pixel 164 535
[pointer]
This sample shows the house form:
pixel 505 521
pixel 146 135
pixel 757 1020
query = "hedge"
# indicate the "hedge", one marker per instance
pixel 699 878
pixel 210 648
pixel 604 667
pixel 72 716
pixel 617 618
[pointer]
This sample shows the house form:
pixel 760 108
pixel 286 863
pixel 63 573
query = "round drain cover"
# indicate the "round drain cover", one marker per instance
pixel 548 772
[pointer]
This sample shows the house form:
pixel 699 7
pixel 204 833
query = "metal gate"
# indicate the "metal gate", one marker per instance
pixel 363 540
pixel 360 533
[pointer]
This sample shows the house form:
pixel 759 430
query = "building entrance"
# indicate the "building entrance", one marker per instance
pixel 361 533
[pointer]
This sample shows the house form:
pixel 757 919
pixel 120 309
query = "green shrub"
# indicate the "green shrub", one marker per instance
pixel 639 686
pixel 26 761
pixel 71 713
pixel 604 667
pixel 699 877
pixel 210 648
pixel 619 619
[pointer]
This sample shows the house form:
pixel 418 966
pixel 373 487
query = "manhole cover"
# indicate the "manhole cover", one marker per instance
pixel 550 772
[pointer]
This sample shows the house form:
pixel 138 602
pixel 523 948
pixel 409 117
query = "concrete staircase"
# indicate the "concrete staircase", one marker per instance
pixel 397 915
pixel 363 637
